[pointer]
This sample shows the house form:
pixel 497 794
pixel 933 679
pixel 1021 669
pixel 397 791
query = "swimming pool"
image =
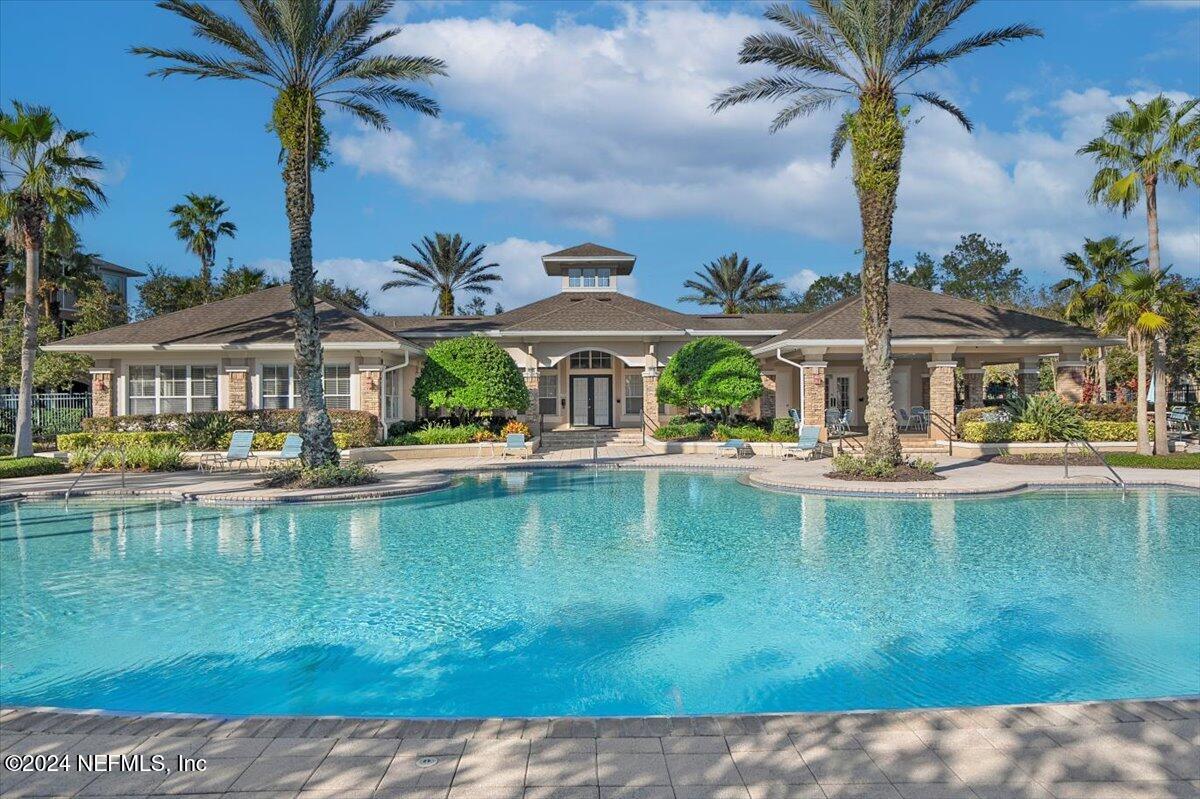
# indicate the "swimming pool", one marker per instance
pixel 599 592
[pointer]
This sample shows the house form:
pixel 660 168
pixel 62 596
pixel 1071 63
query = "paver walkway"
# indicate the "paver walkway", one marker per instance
pixel 1140 750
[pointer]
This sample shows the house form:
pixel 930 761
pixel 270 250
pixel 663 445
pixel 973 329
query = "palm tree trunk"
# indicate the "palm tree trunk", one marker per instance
pixel 445 302
pixel 877 142
pixel 23 442
pixel 1160 339
pixel 206 269
pixel 1101 376
pixel 1143 434
pixel 315 428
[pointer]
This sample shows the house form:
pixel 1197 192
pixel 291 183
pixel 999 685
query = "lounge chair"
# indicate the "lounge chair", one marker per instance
pixel 290 451
pixel 240 444
pixel 795 414
pixel 1178 420
pixel 806 444
pixel 516 446
pixel 833 421
pixel 734 445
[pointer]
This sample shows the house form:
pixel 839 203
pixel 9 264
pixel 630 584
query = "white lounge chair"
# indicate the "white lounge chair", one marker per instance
pixel 806 444
pixel 292 446
pixel 516 446
pixel 734 445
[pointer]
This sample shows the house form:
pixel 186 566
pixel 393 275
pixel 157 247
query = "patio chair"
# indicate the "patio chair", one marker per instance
pixel 847 419
pixel 1178 420
pixel 806 444
pixel 920 416
pixel 290 450
pixel 734 445
pixel 903 420
pixel 240 444
pixel 833 421
pixel 516 446
pixel 795 414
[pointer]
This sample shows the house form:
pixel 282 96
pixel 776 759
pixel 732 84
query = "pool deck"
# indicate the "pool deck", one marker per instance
pixel 1102 750
pixel 962 477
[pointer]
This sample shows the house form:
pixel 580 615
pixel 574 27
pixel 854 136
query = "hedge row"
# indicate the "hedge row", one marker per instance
pixel 1004 432
pixel 360 428
pixel 73 442
pixel 12 468
pixel 1107 412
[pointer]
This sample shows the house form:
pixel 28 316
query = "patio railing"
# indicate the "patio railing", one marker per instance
pixel 53 413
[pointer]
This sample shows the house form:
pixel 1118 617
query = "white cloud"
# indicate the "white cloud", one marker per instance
pixel 1176 5
pixel 592 124
pixel 520 266
pixel 800 281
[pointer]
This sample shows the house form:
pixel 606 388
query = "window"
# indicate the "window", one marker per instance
pixel 839 393
pixel 591 359
pixel 589 278
pixel 392 399
pixel 633 394
pixel 279 386
pixel 276 387
pixel 141 390
pixel 172 389
pixel 113 283
pixel 337 386
pixel 548 393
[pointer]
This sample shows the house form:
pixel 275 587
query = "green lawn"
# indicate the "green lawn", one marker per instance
pixel 1130 460
pixel 11 467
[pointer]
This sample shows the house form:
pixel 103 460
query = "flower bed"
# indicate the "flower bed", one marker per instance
pixel 441 433
pixel 679 428
pixel 853 467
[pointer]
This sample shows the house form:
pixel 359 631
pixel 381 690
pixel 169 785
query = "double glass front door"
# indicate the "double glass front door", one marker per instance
pixel 591 401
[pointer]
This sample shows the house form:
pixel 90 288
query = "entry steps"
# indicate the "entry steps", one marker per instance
pixel 587 437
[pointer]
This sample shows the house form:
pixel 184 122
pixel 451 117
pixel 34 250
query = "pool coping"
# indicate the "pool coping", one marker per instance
pixel 31 718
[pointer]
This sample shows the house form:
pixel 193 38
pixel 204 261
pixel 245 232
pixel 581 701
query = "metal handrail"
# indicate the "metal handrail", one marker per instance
pixel 946 426
pixel 91 463
pixel 1096 452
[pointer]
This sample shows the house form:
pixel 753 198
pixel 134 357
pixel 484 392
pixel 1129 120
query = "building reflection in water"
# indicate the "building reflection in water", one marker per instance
pixel 944 529
pixel 812 525
pixel 650 489
pixel 364 525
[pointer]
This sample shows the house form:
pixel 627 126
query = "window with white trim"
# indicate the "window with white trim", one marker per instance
pixel 633 394
pixel 548 393
pixel 589 278
pixel 393 387
pixel 279 386
pixel 172 389
pixel 591 359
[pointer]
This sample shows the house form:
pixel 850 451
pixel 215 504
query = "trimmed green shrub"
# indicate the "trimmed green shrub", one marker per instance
pixel 711 372
pixel 11 468
pixel 158 458
pixel 783 429
pixel 330 475
pixel 679 428
pixel 360 427
pixel 1131 460
pixel 266 441
pixel 1108 412
pixel 434 433
pixel 746 432
pixel 71 442
pixel 1017 432
pixel 468 375
pixel 847 465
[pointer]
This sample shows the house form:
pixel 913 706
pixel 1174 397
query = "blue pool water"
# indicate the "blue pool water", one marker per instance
pixel 599 592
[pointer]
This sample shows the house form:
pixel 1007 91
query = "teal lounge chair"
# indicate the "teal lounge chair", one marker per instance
pixel 516 446
pixel 239 452
pixel 734 445
pixel 292 445
pixel 806 444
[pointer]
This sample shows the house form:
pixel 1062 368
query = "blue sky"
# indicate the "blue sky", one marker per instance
pixel 569 122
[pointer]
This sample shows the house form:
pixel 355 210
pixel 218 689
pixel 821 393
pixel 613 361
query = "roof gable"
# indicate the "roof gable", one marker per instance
pixel 588 250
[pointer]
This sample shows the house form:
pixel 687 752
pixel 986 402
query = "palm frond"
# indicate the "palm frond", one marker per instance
pixel 936 100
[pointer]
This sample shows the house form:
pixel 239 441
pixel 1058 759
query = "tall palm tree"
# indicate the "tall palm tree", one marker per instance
pixel 73 272
pixel 1151 141
pixel 864 52
pixel 311 55
pixel 44 181
pixel 733 284
pixel 446 264
pixel 197 223
pixel 1090 289
pixel 1148 305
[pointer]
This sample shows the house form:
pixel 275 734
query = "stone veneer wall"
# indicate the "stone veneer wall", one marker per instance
pixel 1068 380
pixel 239 389
pixel 650 409
pixel 1028 381
pixel 941 399
pixel 974 385
pixel 102 393
pixel 814 396
pixel 532 384
pixel 766 405
pixel 370 391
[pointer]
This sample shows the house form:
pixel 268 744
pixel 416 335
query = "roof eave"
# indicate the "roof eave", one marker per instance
pixel 66 346
pixel 915 341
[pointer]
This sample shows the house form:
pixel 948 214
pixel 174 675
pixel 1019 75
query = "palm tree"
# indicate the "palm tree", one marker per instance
pixel 446 265
pixel 197 223
pixel 1149 142
pixel 73 272
pixel 311 55
pixel 44 181
pixel 733 284
pixel 1090 289
pixel 1148 305
pixel 864 51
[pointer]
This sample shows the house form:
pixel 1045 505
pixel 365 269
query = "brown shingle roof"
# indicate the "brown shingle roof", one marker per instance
pixel 588 250
pixel 917 313
pixel 260 317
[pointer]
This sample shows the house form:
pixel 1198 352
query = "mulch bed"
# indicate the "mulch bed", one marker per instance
pixel 904 474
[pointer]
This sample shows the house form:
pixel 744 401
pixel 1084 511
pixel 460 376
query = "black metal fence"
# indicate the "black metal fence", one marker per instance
pixel 53 413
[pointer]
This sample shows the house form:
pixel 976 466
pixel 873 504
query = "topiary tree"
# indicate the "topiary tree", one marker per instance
pixel 714 372
pixel 468 375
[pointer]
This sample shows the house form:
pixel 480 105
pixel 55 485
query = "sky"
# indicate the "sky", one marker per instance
pixel 570 122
